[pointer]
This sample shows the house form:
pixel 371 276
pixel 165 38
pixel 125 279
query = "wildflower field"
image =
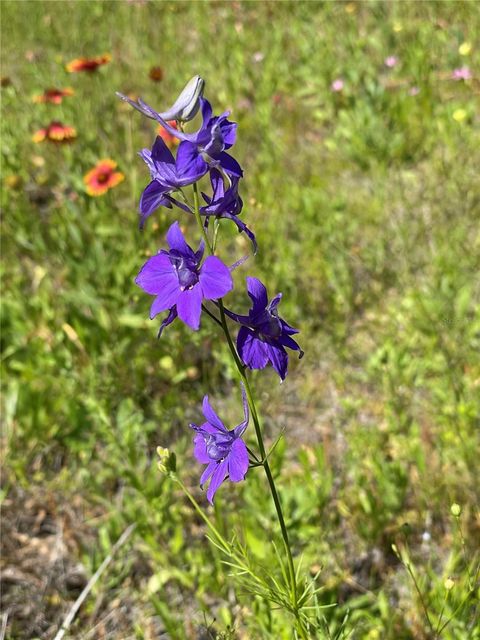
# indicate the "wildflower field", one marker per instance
pixel 356 159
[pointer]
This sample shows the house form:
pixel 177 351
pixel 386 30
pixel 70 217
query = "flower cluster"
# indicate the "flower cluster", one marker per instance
pixel 182 280
pixel 103 176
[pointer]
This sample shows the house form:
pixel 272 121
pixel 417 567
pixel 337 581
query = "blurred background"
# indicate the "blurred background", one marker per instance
pixel 359 137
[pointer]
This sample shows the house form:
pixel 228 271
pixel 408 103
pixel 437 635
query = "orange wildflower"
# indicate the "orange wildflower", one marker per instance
pixel 55 132
pixel 102 178
pixel 167 137
pixel 156 74
pixel 87 64
pixel 55 96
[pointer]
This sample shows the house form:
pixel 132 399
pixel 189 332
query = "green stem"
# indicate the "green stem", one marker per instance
pixel 258 430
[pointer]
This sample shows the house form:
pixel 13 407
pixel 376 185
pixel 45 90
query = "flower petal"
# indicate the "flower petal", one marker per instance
pixel 168 320
pixel 251 349
pixel 218 477
pixel 200 449
pixel 289 342
pixel 177 242
pixel 161 153
pixel 258 294
pixel 215 278
pixel 190 165
pixel 229 164
pixel 156 274
pixel 208 472
pixel 165 300
pixel 189 306
pixel 211 416
pixel 237 461
pixel 152 197
pixel 279 359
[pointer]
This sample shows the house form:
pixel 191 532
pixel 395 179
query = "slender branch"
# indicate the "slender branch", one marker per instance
pixel 93 580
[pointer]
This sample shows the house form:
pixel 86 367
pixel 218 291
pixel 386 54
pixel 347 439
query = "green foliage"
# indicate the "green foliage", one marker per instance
pixel 366 207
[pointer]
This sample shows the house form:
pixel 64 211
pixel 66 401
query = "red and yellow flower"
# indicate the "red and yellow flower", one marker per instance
pixel 102 178
pixel 55 132
pixel 55 96
pixel 167 137
pixel 88 64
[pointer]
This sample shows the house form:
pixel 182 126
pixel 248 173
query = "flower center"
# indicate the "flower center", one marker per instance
pixel 218 447
pixel 186 270
pixel 103 177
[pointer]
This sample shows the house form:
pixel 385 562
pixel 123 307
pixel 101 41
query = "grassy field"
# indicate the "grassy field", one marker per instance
pixel 365 199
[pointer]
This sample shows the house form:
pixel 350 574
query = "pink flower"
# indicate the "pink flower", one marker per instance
pixel 337 85
pixel 413 91
pixel 462 73
pixel 391 62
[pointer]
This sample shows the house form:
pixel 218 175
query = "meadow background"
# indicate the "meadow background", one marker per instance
pixel 366 206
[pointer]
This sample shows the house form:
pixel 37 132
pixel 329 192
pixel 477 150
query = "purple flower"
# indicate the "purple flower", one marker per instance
pixel 212 139
pixel 180 283
pixel 226 203
pixel 223 451
pixel 168 175
pixel 337 85
pixel 264 335
pixel 462 73
pixel 391 61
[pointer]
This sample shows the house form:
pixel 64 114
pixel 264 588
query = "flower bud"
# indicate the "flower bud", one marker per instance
pixel 187 104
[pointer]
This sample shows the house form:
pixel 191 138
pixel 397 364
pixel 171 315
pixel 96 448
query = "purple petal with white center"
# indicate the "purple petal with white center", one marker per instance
pixel 237 461
pixel 215 278
pixel 211 416
pixel 208 472
pixel 189 306
pixel 218 477
pixel 258 294
pixel 251 349
pixel 152 197
pixel 156 274
pixel 279 359
pixel 200 449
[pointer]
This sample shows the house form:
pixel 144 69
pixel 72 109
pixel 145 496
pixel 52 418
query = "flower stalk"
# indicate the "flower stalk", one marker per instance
pixel 256 423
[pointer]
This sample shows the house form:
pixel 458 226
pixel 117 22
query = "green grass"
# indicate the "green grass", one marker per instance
pixel 366 206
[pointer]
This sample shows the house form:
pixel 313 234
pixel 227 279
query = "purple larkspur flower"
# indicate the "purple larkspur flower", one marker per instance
pixel 168 175
pixel 209 143
pixel 180 282
pixel 264 335
pixel 226 203
pixel 223 451
pixel 462 73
